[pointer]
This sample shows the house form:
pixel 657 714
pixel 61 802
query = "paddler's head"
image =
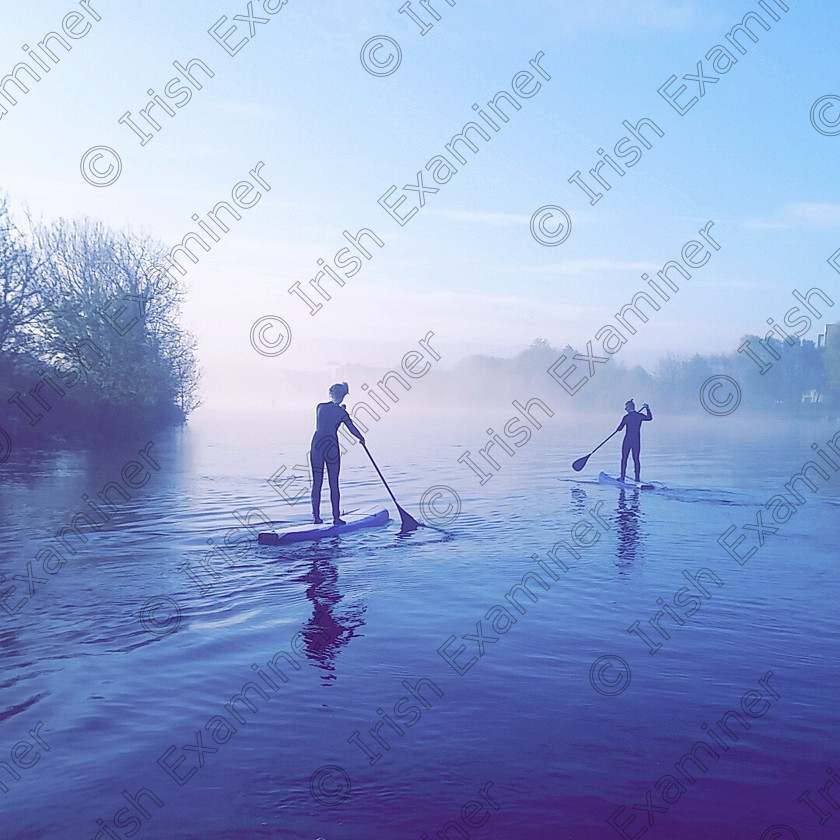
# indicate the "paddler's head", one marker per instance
pixel 338 392
pixel 629 405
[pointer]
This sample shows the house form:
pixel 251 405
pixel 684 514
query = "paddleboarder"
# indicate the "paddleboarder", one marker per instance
pixel 632 443
pixel 324 451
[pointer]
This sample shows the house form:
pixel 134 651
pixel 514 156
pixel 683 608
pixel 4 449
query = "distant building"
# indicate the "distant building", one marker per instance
pixel 829 341
pixel 831 334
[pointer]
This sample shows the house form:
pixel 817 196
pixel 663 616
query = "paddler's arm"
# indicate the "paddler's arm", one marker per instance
pixel 350 425
pixel 649 415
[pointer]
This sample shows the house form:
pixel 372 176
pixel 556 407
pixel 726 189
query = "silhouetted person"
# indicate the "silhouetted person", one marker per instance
pixel 632 425
pixel 324 450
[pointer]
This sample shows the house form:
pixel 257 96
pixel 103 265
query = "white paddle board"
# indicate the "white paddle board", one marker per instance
pixel 303 533
pixel 604 478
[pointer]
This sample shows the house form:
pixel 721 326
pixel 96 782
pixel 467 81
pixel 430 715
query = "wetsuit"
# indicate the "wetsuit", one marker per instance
pixel 324 451
pixel 632 425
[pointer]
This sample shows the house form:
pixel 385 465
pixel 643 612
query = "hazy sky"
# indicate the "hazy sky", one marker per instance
pixel 334 138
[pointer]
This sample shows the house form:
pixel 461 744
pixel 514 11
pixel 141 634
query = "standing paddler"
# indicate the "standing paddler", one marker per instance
pixel 632 443
pixel 325 451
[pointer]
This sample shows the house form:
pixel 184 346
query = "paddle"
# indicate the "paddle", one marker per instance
pixel 409 523
pixel 581 462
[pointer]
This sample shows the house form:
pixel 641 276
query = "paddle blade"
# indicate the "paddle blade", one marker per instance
pixel 580 463
pixel 409 523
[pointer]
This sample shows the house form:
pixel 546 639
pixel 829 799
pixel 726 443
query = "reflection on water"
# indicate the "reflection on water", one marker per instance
pixel 578 503
pixel 629 531
pixel 332 624
pixel 112 696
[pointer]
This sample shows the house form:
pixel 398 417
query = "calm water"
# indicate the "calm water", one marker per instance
pixel 370 611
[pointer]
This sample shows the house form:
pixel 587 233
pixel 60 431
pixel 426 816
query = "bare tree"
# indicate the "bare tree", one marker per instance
pixel 83 299
pixel 21 305
pixel 104 288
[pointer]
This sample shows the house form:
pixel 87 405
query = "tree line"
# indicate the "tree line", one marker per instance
pixel 91 344
pixel 802 370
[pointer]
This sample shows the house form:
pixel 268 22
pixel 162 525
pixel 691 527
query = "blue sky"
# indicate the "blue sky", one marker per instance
pixel 333 138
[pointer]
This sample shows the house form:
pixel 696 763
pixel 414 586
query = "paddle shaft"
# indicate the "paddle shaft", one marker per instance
pixel 578 465
pixel 601 444
pixel 408 521
pixel 380 475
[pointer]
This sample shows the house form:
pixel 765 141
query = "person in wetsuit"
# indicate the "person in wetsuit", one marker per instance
pixel 324 451
pixel 632 425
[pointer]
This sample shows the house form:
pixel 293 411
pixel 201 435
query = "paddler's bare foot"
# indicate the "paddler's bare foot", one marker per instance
pixel 338 521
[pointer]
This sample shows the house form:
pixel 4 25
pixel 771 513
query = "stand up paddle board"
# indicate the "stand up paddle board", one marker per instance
pixel 303 533
pixel 628 482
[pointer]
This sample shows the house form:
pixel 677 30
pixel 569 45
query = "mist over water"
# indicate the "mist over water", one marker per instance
pixel 114 697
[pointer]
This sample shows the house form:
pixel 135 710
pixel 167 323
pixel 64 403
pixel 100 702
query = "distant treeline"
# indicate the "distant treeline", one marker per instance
pixel 90 341
pixel 800 372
